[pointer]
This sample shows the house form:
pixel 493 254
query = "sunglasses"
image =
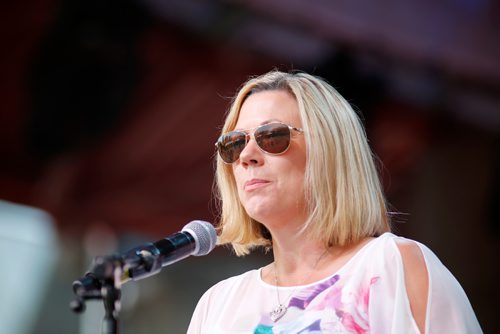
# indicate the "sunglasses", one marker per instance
pixel 273 138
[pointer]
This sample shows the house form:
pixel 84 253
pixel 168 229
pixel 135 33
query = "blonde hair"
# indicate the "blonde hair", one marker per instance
pixel 342 188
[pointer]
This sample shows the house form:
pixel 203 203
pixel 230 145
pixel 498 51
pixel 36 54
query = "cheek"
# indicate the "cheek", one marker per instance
pixel 297 166
pixel 238 178
pixel 291 180
pixel 295 180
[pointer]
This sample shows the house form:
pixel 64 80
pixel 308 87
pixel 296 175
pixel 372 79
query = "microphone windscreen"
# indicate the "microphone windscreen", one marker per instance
pixel 205 235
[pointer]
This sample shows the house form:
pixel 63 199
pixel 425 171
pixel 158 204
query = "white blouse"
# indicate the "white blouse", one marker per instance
pixel 367 295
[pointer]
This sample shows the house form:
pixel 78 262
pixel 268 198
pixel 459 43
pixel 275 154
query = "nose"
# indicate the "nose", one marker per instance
pixel 251 155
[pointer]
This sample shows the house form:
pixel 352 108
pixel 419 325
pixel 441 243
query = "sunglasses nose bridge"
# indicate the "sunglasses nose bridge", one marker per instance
pixel 251 148
pixel 249 135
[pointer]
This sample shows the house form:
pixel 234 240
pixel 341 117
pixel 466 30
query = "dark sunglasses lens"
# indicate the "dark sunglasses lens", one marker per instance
pixel 230 146
pixel 273 138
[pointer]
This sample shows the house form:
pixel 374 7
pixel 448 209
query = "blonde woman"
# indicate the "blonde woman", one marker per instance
pixel 295 175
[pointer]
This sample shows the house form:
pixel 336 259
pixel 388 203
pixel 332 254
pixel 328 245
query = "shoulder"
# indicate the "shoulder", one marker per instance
pixel 414 265
pixel 228 285
pixel 213 301
pixel 425 287
pixel 402 265
pixel 412 256
pixel 395 256
pixel 409 251
pixel 416 279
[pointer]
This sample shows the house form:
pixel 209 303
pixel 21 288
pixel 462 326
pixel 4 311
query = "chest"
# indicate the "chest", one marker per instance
pixel 338 304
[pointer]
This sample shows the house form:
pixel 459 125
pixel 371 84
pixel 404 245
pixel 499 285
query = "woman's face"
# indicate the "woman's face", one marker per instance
pixel 271 187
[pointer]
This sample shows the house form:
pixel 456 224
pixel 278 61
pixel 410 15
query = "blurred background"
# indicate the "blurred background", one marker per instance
pixel 109 111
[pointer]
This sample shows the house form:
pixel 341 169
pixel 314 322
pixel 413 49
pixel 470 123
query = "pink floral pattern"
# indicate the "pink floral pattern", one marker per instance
pixel 326 307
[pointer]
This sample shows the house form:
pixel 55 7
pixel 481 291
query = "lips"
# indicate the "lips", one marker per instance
pixel 255 183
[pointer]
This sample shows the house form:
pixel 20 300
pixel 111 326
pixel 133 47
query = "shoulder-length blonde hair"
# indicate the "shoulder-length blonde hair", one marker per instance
pixel 342 188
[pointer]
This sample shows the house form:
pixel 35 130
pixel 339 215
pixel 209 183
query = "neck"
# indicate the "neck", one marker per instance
pixel 295 257
pixel 300 259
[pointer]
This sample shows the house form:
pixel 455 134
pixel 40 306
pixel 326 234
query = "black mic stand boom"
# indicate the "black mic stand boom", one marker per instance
pixel 103 282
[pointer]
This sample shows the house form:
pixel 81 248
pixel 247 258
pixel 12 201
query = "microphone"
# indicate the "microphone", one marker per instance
pixel 196 238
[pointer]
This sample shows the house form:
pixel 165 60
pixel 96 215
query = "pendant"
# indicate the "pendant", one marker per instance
pixel 278 312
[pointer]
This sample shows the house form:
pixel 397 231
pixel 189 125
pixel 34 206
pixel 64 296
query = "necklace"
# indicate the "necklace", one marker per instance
pixel 279 311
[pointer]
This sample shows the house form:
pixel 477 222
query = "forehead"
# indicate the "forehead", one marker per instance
pixel 265 106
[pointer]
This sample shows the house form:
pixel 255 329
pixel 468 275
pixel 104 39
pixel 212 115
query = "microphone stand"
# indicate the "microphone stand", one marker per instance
pixel 107 273
pixel 111 299
pixel 102 282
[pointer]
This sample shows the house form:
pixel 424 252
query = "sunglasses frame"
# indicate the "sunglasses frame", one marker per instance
pixel 251 132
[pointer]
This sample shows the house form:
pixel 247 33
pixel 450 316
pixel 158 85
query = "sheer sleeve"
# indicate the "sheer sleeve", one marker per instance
pixel 448 308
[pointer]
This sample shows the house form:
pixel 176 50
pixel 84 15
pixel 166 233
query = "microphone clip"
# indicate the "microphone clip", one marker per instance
pixel 102 282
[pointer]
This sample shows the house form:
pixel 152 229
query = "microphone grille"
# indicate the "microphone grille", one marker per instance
pixel 204 234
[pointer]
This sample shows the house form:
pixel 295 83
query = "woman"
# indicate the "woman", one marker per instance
pixel 295 175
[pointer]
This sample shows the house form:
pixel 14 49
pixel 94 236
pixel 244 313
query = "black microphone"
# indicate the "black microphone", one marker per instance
pixel 196 238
